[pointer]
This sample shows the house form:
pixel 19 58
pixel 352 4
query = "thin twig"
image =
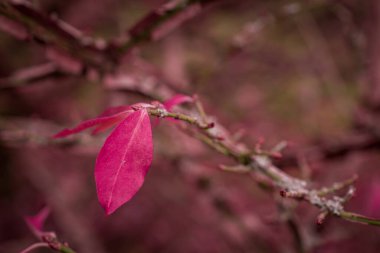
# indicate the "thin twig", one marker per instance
pixel 35 246
pixel 290 187
pixel 337 186
pixel 30 75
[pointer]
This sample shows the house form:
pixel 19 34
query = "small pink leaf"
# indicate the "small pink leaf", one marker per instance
pixel 176 100
pixel 102 122
pixel 115 110
pixel 107 125
pixel 37 221
pixel 123 161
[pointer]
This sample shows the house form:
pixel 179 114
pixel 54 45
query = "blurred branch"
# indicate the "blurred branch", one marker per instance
pixel 328 150
pixel 50 31
pixel 372 93
pixel 359 218
pixel 287 216
pixel 337 186
pixel 53 243
pixel 256 237
pixel 318 46
pixel 15 131
pixel 35 246
pixel 159 22
pixel 30 75
pixel 30 24
pixel 294 228
pixel 49 240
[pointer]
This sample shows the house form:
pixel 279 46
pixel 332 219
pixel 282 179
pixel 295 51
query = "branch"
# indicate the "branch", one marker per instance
pixel 30 75
pixel 90 52
pixel 289 186
pixel 52 241
pixel 288 217
pixel 35 246
pixel 358 142
pixel 159 22
pixel 53 32
pixel 217 138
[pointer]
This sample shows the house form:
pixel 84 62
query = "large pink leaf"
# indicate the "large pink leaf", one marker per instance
pixel 123 161
pixel 102 123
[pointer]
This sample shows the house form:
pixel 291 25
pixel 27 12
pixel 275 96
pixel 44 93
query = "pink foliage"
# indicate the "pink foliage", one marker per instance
pixel 123 161
pixel 176 100
pixel 36 222
pixel 126 155
pixel 114 110
pixel 102 124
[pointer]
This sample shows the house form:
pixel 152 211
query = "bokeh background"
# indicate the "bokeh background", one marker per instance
pixel 306 72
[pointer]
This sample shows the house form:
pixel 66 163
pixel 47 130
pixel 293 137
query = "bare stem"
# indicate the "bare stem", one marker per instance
pixel 289 186
pixel 35 246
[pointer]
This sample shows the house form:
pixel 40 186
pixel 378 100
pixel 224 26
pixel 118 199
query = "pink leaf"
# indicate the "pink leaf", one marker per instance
pixel 176 100
pixel 114 110
pixel 123 161
pixel 37 221
pixel 102 122
pixel 108 124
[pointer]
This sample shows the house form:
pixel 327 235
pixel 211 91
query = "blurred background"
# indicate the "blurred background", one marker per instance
pixel 307 72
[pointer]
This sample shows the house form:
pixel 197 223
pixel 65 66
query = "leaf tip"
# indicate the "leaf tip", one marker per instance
pixel 108 209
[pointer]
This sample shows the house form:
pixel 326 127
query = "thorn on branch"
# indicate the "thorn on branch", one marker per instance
pixel 209 125
pixel 337 186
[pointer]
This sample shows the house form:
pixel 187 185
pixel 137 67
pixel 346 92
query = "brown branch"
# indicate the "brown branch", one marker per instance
pixel 371 97
pixel 53 243
pixel 47 31
pixel 326 151
pixel 159 22
pixel 90 52
pixel 293 226
pixel 53 32
pixel 290 187
pixel 31 75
